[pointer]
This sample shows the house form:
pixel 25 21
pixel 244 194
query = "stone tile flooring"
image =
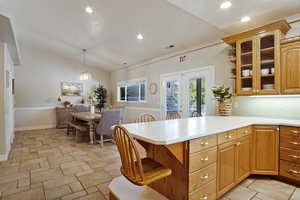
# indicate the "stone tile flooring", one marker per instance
pixel 47 164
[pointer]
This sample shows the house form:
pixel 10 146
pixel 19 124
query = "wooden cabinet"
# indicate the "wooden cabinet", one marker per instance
pixel 226 167
pixel 290 64
pixel 265 151
pixel 256 59
pixel 243 158
pixel 233 163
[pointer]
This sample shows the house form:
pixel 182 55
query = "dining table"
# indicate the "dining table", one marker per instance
pixel 91 119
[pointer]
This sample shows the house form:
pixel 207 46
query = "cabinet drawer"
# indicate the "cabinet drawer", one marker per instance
pixel 289 170
pixel 227 136
pixel 207 192
pixel 203 143
pixel 201 177
pixel 202 159
pixel 290 131
pixel 290 155
pixel 241 132
pixel 290 142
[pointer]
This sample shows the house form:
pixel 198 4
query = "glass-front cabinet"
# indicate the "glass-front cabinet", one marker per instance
pixel 258 64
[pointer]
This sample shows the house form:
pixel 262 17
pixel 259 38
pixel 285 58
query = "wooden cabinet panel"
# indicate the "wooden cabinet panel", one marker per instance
pixel 207 192
pixel 290 131
pixel 227 136
pixel 226 168
pixel 241 132
pixel 203 143
pixel 290 142
pixel 265 151
pixel 289 170
pixel 202 177
pixel 243 158
pixel 290 64
pixel 290 155
pixel 202 159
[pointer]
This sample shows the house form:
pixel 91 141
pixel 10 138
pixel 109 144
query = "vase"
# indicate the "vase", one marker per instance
pixel 225 108
pixel 93 109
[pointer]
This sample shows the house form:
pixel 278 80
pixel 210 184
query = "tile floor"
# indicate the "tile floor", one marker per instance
pixel 47 164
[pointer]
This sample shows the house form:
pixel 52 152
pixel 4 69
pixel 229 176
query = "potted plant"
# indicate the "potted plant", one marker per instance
pixel 100 94
pixel 223 96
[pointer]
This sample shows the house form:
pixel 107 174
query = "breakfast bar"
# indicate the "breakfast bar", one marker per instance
pixel 210 155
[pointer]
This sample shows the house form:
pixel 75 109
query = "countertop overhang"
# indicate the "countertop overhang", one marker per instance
pixel 168 132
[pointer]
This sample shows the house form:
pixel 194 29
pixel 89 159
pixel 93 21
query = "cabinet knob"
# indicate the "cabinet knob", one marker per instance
pixel 204 197
pixel 238 144
pixel 204 143
pixel 295 143
pixel 295 132
pixel 228 136
pixel 204 159
pixel 204 177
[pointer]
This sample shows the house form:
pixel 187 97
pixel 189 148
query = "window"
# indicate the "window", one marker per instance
pixel 132 91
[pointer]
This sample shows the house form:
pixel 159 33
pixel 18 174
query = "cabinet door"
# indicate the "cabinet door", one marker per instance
pixel 268 63
pixel 226 168
pixel 290 65
pixel 243 158
pixel 265 151
pixel 246 62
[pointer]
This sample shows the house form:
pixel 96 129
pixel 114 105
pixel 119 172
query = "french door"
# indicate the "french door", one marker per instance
pixel 187 93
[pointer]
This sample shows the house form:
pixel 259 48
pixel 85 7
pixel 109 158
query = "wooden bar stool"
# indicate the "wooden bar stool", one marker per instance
pixel 145 118
pixel 136 170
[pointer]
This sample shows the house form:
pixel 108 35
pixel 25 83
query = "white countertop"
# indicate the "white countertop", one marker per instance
pixel 173 131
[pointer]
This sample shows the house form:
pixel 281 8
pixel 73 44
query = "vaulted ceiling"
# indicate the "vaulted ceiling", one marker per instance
pixel 109 34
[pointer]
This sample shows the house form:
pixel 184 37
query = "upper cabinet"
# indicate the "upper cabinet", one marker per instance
pixel 255 56
pixel 290 65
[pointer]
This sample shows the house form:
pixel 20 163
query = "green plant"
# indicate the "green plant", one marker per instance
pixel 67 104
pixel 100 95
pixel 221 93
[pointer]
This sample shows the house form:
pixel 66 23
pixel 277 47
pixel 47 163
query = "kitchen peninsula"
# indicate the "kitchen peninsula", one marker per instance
pixel 210 155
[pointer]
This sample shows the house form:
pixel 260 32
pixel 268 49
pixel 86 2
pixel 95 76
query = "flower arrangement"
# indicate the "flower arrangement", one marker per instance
pixel 221 93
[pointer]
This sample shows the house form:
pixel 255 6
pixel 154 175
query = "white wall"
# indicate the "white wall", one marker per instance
pixel 38 82
pixel 213 56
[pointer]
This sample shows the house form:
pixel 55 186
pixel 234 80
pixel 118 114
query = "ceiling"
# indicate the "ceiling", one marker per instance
pixel 109 34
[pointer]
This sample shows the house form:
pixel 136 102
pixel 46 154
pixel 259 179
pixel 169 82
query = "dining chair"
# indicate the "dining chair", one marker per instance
pixel 145 118
pixel 103 128
pixel 173 115
pixel 196 114
pixel 136 170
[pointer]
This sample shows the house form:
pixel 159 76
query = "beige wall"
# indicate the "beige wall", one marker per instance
pixel 39 77
pixel 277 107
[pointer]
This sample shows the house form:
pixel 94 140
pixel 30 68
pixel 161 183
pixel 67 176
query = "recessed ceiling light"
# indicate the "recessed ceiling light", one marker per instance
pixel 89 9
pixel 225 5
pixel 140 36
pixel 245 19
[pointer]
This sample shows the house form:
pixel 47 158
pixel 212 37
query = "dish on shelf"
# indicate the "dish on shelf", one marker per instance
pixel 273 70
pixel 246 72
pixel 268 86
pixel 247 89
pixel 265 71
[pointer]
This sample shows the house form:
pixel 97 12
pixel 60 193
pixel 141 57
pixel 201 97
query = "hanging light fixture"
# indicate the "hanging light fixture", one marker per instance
pixel 85 75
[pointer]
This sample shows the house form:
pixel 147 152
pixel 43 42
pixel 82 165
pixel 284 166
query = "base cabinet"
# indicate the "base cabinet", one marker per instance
pixel 265 151
pixel 243 150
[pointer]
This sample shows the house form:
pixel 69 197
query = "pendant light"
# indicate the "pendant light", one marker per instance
pixel 86 75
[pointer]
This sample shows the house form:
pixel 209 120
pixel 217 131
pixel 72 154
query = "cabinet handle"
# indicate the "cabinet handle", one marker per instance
pixel 295 132
pixel 238 143
pixel 277 129
pixel 246 132
pixel 204 159
pixel 294 156
pixel 295 143
pixel 228 136
pixel 204 177
pixel 204 143
pixel 294 171
pixel 204 197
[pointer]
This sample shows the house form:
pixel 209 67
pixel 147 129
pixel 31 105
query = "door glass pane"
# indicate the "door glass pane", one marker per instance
pixel 142 92
pixel 246 65
pixel 172 96
pixel 133 92
pixel 196 105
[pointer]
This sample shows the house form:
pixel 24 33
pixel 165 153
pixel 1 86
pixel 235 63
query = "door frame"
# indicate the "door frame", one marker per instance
pixel 208 71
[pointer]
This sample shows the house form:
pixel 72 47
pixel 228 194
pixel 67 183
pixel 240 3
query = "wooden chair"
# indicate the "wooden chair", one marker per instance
pixel 136 170
pixel 145 118
pixel 173 115
pixel 79 128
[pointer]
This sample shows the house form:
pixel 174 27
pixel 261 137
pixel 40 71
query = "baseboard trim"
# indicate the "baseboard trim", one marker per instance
pixel 4 157
pixel 29 128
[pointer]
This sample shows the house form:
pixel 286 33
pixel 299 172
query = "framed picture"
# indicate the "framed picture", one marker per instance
pixel 71 89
